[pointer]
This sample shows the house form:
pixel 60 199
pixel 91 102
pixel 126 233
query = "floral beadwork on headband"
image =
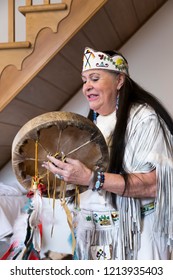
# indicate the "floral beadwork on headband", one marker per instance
pixel 98 60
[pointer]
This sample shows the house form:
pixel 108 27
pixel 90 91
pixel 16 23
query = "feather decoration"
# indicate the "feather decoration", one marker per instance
pixel 17 242
pixel 34 230
pixel 27 233
pixel 34 219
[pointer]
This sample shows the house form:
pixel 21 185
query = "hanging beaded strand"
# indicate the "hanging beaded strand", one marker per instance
pixel 117 102
pixel 95 115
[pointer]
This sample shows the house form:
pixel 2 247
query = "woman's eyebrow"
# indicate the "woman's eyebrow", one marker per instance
pixel 90 75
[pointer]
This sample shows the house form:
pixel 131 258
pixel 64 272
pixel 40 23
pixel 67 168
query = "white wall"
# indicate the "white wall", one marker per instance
pixel 150 57
pixel 3 21
pixel 77 104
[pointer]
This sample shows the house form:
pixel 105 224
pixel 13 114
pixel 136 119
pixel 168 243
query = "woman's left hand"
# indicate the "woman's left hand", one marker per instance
pixel 71 170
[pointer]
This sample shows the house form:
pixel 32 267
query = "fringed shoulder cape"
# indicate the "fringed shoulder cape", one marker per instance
pixel 149 146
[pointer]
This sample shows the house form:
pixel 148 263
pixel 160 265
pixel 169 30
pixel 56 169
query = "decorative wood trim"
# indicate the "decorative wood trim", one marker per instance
pixel 15 45
pixel 35 22
pixel 39 17
pixel 46 46
pixel 42 8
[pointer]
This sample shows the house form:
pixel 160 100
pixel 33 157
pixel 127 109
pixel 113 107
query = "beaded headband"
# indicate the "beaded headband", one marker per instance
pixel 99 60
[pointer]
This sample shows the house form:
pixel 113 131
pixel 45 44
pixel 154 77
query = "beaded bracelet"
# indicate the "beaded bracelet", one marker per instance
pixel 99 179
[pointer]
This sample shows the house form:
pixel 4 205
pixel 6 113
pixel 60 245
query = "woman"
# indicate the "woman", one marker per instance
pixel 126 213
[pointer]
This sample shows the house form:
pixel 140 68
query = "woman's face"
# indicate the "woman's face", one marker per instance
pixel 100 89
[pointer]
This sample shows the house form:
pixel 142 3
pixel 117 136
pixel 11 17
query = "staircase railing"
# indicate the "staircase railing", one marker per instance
pixel 48 28
pixel 12 44
pixel 29 7
pixel 37 17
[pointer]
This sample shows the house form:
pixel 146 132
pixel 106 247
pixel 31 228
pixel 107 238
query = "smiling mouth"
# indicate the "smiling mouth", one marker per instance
pixel 92 96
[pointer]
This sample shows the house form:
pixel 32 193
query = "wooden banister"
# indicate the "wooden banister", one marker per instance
pixel 11 20
pixel 42 8
pixel 46 1
pixel 28 2
pixel 15 45
pixel 47 38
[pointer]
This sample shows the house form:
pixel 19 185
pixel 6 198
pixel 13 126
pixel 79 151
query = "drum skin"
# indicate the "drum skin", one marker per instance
pixel 62 133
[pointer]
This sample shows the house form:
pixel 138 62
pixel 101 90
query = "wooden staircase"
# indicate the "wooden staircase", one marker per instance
pixel 37 18
pixel 48 28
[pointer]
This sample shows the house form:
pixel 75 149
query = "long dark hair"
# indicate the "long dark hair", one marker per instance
pixel 129 94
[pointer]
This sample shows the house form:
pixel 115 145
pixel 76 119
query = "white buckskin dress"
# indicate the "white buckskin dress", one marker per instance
pixel 139 228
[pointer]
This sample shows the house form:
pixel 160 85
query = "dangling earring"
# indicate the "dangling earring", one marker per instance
pixel 95 115
pixel 117 101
